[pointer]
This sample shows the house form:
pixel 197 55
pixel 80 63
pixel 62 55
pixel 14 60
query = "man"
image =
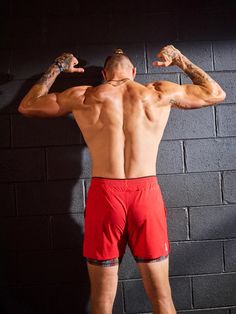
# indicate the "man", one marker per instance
pixel 122 122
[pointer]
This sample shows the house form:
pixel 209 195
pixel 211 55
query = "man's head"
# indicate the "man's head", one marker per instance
pixel 118 66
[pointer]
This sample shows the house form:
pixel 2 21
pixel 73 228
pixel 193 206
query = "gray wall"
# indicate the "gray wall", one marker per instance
pixel 45 164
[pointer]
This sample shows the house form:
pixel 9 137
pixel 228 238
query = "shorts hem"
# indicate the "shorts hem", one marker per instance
pixel 105 263
pixel 150 260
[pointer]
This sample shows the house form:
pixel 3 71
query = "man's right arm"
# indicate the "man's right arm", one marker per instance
pixel 203 92
pixel 38 102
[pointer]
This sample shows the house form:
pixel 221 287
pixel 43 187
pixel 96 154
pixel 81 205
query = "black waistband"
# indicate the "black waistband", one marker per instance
pixel 125 178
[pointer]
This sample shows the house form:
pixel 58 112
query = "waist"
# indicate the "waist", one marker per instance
pixel 124 183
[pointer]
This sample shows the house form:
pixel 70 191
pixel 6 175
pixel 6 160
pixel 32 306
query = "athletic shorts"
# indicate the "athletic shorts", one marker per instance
pixel 125 211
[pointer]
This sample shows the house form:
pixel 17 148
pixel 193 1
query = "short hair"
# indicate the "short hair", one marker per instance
pixel 117 57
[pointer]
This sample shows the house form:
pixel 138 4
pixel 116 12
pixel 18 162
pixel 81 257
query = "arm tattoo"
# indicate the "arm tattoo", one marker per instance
pixel 49 76
pixel 175 103
pixel 197 75
pixel 62 63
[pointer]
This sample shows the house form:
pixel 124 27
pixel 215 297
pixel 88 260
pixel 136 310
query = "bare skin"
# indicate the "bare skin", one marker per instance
pixel 122 123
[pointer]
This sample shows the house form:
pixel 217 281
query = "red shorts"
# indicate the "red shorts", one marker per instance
pixel 121 211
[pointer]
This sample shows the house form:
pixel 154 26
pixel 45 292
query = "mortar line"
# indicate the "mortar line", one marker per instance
pixel 215 121
pixel 11 132
pixel 221 187
pixel 213 56
pixel 51 231
pixel 123 296
pixel 223 249
pixel 145 57
pixel 191 288
pixel 184 157
pixel 46 164
pixel 188 223
pixel 15 200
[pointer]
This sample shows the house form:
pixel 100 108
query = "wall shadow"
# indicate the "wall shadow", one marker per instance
pixel 45 272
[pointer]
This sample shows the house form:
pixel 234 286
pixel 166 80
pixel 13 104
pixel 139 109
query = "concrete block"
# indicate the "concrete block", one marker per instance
pixel 214 290
pixel 224 55
pixel 184 124
pixel 9 268
pixel 128 268
pixel 177 221
pixel 230 255
pixel 131 31
pixel 210 154
pixel 5 55
pixel 25 233
pixel 68 162
pixel 54 197
pixel 68 231
pixel 135 297
pixel 7 200
pixel 226 116
pixel 154 30
pixel 92 29
pixel 118 306
pixel 40 132
pixel 170 157
pixel 229 184
pixel 69 298
pixel 136 300
pixel 212 222
pixel 42 267
pixel 181 292
pixel 21 164
pixel 5 130
pixel 188 258
pixel 216 24
pixel 12 93
pixel 192 189
pixel 25 36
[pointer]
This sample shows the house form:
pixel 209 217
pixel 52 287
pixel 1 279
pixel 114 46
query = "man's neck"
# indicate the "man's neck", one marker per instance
pixel 117 82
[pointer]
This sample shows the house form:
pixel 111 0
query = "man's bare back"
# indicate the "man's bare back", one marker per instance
pixel 121 120
pixel 122 126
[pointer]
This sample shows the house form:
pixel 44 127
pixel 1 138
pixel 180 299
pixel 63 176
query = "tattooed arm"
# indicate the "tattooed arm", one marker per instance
pixel 202 93
pixel 38 103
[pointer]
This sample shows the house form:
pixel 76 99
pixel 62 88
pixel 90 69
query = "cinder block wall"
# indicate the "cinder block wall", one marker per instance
pixel 45 165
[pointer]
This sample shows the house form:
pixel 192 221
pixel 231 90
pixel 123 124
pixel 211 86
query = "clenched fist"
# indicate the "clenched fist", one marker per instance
pixel 66 63
pixel 169 56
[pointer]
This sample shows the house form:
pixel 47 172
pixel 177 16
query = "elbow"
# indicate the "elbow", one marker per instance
pixel 222 95
pixel 216 98
pixel 24 111
pixel 21 109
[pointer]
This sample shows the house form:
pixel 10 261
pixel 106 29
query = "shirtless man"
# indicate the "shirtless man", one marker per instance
pixel 122 122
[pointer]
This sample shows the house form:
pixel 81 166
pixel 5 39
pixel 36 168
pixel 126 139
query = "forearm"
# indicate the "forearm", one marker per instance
pixel 42 87
pixel 198 76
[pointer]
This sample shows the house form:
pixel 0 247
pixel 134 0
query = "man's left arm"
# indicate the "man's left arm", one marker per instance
pixel 39 103
pixel 202 93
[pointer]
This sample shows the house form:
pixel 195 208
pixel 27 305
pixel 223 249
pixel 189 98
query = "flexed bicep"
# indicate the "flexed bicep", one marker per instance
pixel 204 91
pixel 55 104
pixel 40 103
pixel 186 96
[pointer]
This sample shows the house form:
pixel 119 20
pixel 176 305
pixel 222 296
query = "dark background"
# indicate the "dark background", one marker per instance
pixel 45 165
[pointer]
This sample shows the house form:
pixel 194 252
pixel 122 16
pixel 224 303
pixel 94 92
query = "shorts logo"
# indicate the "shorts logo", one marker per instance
pixel 166 248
